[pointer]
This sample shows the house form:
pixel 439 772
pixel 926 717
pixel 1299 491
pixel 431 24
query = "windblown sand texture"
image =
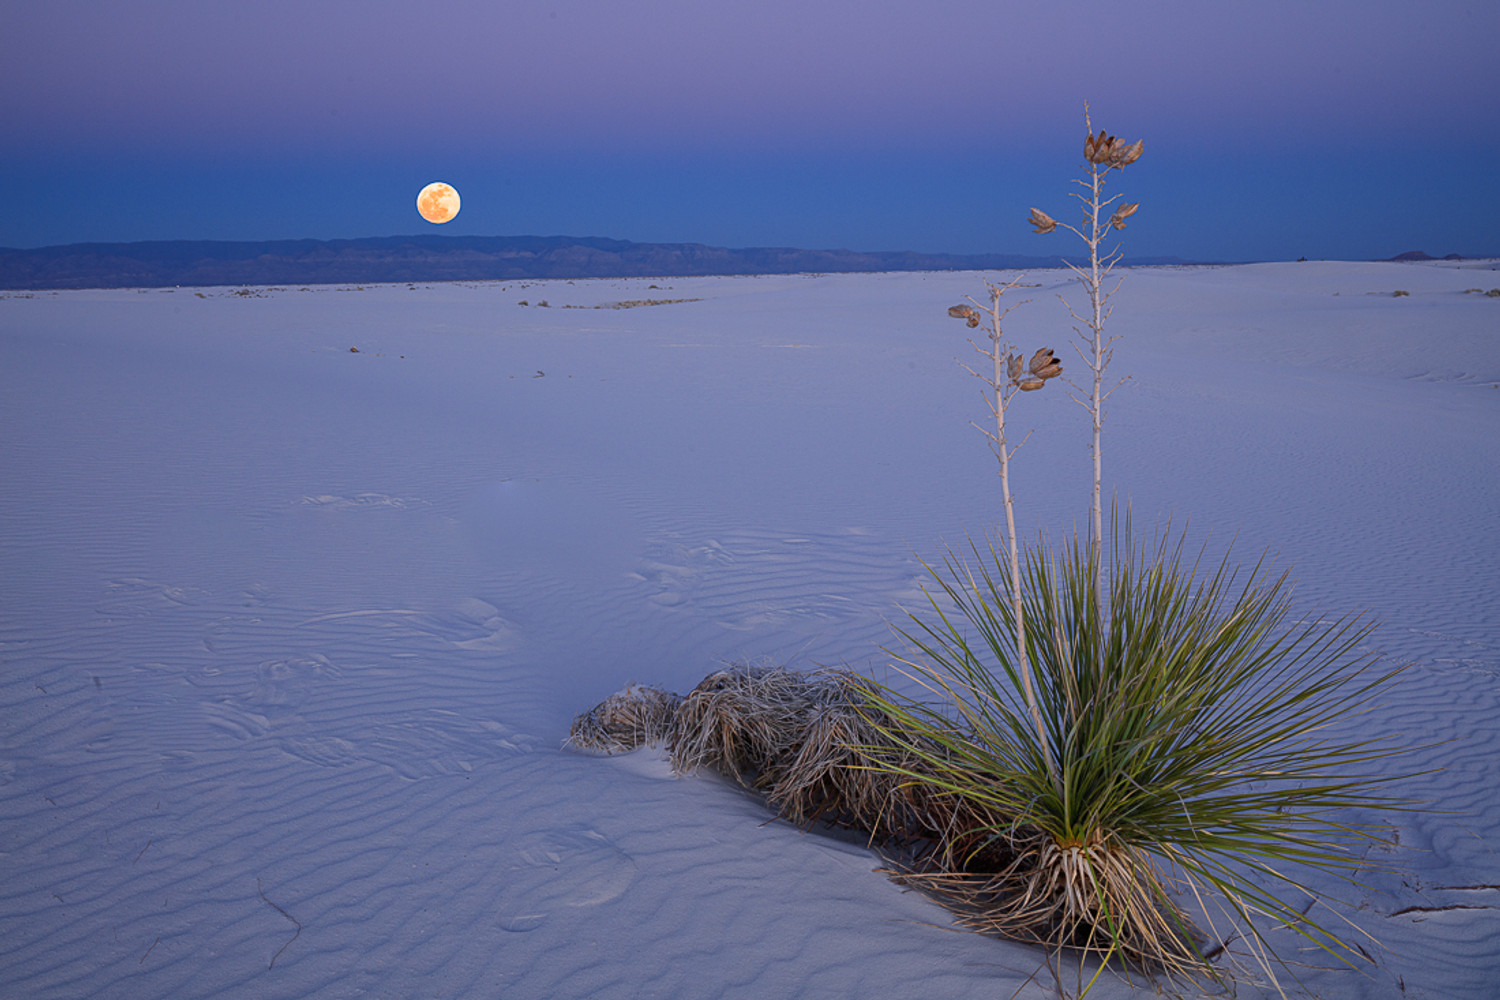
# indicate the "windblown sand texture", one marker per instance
pixel 291 635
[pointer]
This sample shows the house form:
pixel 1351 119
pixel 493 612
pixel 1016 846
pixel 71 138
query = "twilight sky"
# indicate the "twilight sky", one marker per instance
pixel 1273 130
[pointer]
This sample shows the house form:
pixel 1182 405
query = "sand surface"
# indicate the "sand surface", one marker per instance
pixel 290 635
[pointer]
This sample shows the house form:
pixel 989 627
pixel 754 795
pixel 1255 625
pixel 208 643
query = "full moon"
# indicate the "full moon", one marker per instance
pixel 438 202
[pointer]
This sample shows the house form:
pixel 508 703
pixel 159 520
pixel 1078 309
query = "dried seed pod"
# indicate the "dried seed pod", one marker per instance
pixel 1044 364
pixel 1099 148
pixel 968 313
pixel 1043 222
pixel 1031 385
pixel 1108 151
pixel 1125 156
pixel 1013 366
pixel 1122 213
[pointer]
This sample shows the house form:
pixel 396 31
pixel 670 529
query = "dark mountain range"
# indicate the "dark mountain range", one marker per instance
pixel 1423 255
pixel 443 258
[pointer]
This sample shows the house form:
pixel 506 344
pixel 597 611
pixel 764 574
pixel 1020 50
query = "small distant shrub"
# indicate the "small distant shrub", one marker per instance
pixel 1400 293
pixel 633 303
pixel 1493 293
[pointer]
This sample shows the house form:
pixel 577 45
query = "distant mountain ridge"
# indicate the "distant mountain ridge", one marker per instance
pixel 446 258
pixel 1424 255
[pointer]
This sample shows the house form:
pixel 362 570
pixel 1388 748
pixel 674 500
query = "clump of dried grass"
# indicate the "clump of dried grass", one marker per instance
pixel 743 722
pixel 808 742
pixel 827 774
pixel 638 716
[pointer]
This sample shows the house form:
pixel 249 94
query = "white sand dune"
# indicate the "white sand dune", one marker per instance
pixel 290 635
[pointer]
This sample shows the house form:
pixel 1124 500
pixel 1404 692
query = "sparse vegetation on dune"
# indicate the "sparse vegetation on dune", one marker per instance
pixel 634 303
pixel 1192 758
pixel 1118 752
pixel 803 740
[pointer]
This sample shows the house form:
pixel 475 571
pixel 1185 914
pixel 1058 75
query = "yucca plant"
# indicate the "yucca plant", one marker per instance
pixel 1195 729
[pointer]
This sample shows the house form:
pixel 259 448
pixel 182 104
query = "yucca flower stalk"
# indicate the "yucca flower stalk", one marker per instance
pixel 1200 737
pixel 1007 377
pixel 1102 153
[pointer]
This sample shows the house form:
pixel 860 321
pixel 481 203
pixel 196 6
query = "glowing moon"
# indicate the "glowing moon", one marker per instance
pixel 438 202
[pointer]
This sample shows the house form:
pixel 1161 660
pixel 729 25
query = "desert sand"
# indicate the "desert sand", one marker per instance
pixel 302 587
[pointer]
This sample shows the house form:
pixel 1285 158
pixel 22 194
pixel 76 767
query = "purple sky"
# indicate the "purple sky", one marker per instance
pixel 1273 129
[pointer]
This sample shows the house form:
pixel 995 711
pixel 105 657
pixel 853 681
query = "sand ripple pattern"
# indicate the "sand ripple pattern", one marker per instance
pixel 289 637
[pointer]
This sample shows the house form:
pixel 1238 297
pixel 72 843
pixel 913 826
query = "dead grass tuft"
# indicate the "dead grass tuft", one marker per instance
pixel 638 716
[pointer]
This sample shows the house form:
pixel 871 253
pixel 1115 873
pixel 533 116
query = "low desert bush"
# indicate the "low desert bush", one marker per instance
pixel 806 742
pixel 1200 741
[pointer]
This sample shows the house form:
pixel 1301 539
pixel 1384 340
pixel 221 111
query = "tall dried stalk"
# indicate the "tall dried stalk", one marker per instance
pixel 1008 377
pixel 1103 153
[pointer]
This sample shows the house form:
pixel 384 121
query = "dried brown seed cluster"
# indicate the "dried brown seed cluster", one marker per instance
pixel 1042 222
pixel 1108 151
pixel 1122 213
pixel 1033 375
pixel 966 313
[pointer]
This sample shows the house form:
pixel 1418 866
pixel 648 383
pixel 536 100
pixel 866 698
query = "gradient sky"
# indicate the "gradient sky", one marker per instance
pixel 1273 130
